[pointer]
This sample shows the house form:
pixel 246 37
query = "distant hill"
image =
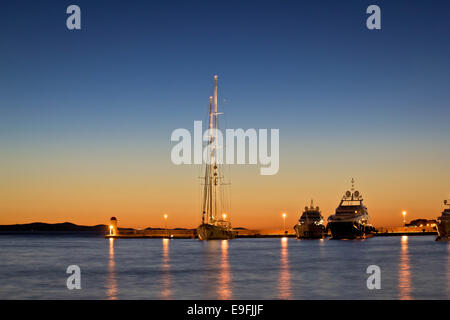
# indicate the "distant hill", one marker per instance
pixel 421 223
pixel 40 226
pixel 68 227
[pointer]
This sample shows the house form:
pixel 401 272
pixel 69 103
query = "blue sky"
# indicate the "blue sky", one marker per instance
pixel 279 63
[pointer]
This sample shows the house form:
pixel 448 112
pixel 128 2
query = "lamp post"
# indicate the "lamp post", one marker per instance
pixel 284 222
pixel 404 218
pixel 165 224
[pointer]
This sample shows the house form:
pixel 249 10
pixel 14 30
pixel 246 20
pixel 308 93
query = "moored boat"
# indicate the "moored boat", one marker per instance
pixel 443 226
pixel 215 223
pixel 310 225
pixel 351 219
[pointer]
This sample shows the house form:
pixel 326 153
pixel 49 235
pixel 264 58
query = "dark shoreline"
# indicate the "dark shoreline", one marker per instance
pixel 67 228
pixel 52 227
pixel 100 234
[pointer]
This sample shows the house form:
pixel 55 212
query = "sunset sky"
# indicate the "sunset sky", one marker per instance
pixel 86 116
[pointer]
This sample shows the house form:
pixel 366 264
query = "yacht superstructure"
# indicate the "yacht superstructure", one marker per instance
pixel 351 219
pixel 310 225
pixel 443 226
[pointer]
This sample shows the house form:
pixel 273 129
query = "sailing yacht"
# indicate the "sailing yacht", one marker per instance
pixel 351 220
pixel 215 225
pixel 310 225
pixel 443 226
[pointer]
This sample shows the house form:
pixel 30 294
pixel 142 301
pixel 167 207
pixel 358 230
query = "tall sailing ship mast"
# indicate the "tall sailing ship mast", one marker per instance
pixel 214 224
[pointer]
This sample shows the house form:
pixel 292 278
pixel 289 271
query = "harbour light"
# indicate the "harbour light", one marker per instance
pixel 165 221
pixel 113 226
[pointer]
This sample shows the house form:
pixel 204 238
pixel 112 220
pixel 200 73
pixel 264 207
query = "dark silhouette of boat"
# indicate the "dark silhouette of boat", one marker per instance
pixel 351 219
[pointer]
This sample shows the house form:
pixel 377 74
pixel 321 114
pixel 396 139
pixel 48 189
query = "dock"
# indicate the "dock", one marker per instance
pixel 154 233
pixel 180 233
pixel 405 231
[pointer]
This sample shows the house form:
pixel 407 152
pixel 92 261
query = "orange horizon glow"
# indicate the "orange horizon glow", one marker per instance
pixel 85 192
pixel 256 218
pixel 125 221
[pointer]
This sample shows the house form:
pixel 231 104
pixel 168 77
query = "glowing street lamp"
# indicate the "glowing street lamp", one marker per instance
pixel 165 223
pixel 284 222
pixel 224 216
pixel 404 218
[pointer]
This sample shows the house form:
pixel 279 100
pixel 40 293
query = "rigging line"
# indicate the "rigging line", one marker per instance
pixel 204 196
pixel 225 193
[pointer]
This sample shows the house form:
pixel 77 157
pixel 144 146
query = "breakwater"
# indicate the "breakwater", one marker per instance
pixel 258 233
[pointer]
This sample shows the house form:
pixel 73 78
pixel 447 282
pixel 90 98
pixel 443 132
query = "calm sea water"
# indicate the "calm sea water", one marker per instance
pixel 34 267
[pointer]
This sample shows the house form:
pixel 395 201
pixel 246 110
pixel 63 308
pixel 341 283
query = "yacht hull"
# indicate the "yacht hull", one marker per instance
pixel 349 230
pixel 212 232
pixel 443 229
pixel 309 231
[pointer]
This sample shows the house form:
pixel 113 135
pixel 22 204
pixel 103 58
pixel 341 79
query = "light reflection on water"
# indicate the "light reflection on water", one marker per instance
pixel 404 276
pixel 166 291
pixel 33 267
pixel 284 285
pixel 224 288
pixel 111 281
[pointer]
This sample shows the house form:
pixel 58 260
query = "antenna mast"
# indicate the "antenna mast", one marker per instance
pixel 353 187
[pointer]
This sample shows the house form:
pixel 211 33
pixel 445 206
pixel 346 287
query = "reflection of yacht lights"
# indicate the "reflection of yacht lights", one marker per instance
pixel 224 216
pixel 404 238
